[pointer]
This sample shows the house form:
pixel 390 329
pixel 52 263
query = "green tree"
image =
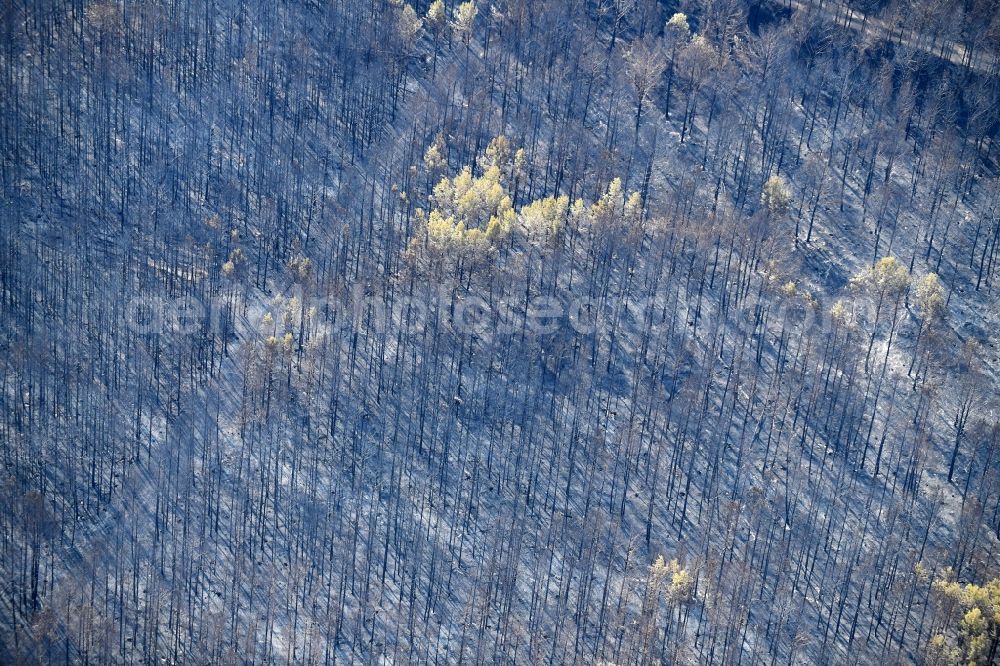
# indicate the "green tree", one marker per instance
pixel 464 20
pixel 408 26
pixel 436 158
pixel 977 610
pixel 543 218
pixel 437 23
pixel 776 197
pixel 884 284
pixel 436 17
pixel 930 302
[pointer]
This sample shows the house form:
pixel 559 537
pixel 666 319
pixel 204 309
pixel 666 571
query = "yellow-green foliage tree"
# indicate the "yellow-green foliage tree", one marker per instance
pixel 408 26
pixel 676 33
pixel 613 221
pixel 436 17
pixel 977 611
pixel 884 284
pixel 435 159
pixel 776 197
pixel 468 206
pixel 437 24
pixel 469 210
pixel 471 213
pixel 887 278
pixel 502 155
pixel 464 21
pixel 611 212
pixel 931 308
pixel 666 582
pixel 542 219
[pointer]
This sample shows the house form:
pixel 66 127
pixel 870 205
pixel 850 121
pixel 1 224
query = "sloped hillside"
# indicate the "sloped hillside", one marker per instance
pixel 510 332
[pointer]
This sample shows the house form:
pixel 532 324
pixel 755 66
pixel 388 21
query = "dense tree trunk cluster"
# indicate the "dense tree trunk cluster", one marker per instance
pixel 748 412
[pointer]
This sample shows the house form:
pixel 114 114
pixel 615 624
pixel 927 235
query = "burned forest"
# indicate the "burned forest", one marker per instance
pixel 499 332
